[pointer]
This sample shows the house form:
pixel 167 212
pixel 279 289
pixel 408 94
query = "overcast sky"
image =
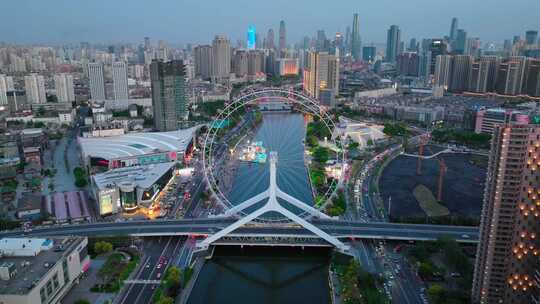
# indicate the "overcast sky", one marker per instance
pixel 197 21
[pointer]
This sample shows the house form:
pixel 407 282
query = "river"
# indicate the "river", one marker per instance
pixel 265 275
pixel 283 133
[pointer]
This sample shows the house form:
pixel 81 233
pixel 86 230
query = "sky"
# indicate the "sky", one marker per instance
pixel 198 21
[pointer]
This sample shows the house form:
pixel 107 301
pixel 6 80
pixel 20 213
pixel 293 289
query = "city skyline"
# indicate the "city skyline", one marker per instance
pixel 198 22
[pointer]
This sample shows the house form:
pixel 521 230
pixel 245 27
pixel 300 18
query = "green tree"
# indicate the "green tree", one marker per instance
pixel 395 129
pixel 172 278
pixel 102 247
pixel 165 300
pixel 317 177
pixel 321 155
pixel 40 111
pixel 354 145
pixel 436 293
pixel 81 182
pixel 312 141
pixel 425 270
pixel 350 290
pixel 79 172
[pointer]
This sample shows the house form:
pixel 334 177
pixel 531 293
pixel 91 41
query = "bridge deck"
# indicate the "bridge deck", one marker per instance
pixel 205 227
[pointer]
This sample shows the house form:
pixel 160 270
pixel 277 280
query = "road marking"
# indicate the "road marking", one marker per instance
pixel 152 271
pixel 142 282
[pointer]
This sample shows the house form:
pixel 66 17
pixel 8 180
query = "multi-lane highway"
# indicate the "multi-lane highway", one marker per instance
pixel 159 254
pixel 340 229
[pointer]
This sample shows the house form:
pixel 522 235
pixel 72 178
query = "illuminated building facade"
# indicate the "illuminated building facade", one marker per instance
pixel 507 259
pixel 287 66
pixel 251 38
pixel 321 73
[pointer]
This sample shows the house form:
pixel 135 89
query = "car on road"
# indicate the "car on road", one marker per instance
pixel 158 275
pixel 465 236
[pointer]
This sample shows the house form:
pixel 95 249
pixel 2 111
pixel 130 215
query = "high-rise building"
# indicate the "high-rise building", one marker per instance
pixel 35 88
pixel 494 62
pixel 507 264
pixel 478 78
pixel 240 63
pixel 392 43
pixel 531 37
pixel 251 37
pixel 453 29
pixel 204 61
pixel 436 47
pixel 461 68
pixel 531 85
pixel 162 51
pixel 473 47
pixel 3 90
pixel 338 45
pixel 321 73
pixel 63 83
pixel 424 69
pixel 270 39
pixel 147 44
pixel 413 45
pixel 369 53
pixel 321 43
pixel 255 62
pixel 459 45
pixel 221 55
pixel 282 36
pixel 507 45
pixel 510 76
pixel 443 71
pixel 348 39
pixel 258 43
pixel 408 64
pixel 120 81
pixel 287 66
pixel 355 39
pixel 169 101
pixel 97 81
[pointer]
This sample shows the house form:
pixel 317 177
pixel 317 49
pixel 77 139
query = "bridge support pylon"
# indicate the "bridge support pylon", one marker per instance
pixel 272 205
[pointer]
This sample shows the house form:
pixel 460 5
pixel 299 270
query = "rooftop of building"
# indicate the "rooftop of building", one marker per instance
pixel 30 201
pixel 135 144
pixel 30 269
pixel 141 176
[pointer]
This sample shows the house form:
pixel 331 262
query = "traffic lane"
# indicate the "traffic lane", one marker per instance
pixel 195 198
pixel 367 231
pixel 148 290
pixel 153 249
pixel 342 223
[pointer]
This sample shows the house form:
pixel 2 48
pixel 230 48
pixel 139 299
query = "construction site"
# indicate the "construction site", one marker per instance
pixel 433 181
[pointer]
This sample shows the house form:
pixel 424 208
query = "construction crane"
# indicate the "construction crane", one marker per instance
pixel 423 141
pixel 442 172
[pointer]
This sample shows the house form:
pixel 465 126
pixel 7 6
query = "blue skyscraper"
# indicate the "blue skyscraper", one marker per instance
pixel 251 37
pixel 392 43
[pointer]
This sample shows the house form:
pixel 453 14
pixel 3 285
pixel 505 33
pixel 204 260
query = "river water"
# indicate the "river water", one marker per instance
pixel 265 275
pixel 283 133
